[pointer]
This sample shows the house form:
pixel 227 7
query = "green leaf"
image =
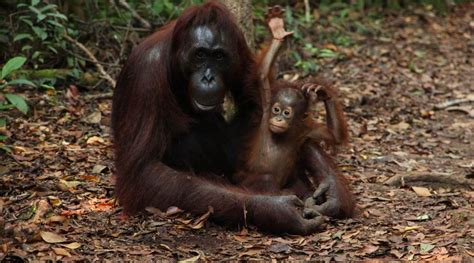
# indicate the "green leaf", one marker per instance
pixel 21 82
pixel 47 7
pixel 35 10
pixel 55 51
pixel 327 53
pixel 39 16
pixel 27 21
pixel 56 24
pixel 158 7
pixel 26 47
pixel 46 86
pixel 40 32
pixel 34 2
pixel 58 15
pixel 5 148
pixel 18 101
pixel 22 36
pixel 426 247
pixel 12 65
pixel 36 54
pixel 3 122
pixel 6 106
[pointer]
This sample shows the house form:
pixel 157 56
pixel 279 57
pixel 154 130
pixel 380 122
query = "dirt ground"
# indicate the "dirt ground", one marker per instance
pixel 410 161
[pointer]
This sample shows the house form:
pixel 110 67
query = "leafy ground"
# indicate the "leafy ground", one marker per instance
pixel 56 190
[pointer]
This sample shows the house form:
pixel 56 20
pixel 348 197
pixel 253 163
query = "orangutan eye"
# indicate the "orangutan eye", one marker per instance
pixel 219 55
pixel 276 110
pixel 200 54
pixel 287 113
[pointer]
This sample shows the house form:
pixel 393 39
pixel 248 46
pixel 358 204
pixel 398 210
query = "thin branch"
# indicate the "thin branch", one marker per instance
pixel 134 13
pixel 90 60
pixel 400 180
pixel 106 95
pixel 450 103
pixel 94 60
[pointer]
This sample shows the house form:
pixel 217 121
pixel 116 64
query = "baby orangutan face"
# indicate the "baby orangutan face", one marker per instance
pixel 288 109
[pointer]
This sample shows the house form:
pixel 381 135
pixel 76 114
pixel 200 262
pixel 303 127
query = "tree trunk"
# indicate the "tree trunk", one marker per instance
pixel 242 11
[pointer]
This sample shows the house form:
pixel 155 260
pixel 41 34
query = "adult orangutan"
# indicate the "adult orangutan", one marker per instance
pixel 172 145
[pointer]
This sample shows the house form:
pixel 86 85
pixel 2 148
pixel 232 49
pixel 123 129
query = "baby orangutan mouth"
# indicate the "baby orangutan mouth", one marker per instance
pixel 278 128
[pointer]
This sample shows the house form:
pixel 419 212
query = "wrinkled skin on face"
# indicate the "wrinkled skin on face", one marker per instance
pixel 207 59
pixel 289 106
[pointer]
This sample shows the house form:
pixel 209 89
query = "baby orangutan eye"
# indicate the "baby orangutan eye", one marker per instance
pixel 276 110
pixel 287 113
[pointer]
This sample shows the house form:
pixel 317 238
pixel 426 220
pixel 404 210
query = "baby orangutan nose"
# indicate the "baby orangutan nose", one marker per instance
pixel 278 125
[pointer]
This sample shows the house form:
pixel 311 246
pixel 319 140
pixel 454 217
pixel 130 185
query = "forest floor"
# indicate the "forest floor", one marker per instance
pixel 410 161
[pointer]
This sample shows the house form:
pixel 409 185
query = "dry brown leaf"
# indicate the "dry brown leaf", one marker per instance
pixel 54 201
pixel 55 219
pixel 61 252
pixel 397 253
pixel 68 184
pixel 94 117
pixel 98 168
pixel 42 207
pixel 73 245
pixel 51 237
pixel 173 210
pixel 166 247
pixel 95 140
pixel 401 126
pixel 193 259
pixel 154 211
pixel 251 252
pixel 421 191
pixel 199 223
pixel 368 249
pixel 241 239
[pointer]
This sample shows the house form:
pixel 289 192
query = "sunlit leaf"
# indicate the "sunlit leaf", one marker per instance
pixel 51 237
pixel 421 191
pixel 426 247
pixel 61 252
pixel 12 65
pixel 21 82
pixel 73 245
pixel 18 101
pixel 40 32
pixel 19 37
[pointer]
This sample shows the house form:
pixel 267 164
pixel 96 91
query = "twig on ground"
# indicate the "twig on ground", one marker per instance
pixel 93 59
pixel 450 103
pixel 106 95
pixel 399 180
pixel 467 110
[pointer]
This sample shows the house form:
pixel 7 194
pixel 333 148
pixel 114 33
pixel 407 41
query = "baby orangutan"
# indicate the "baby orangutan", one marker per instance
pixel 273 151
pixel 283 155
